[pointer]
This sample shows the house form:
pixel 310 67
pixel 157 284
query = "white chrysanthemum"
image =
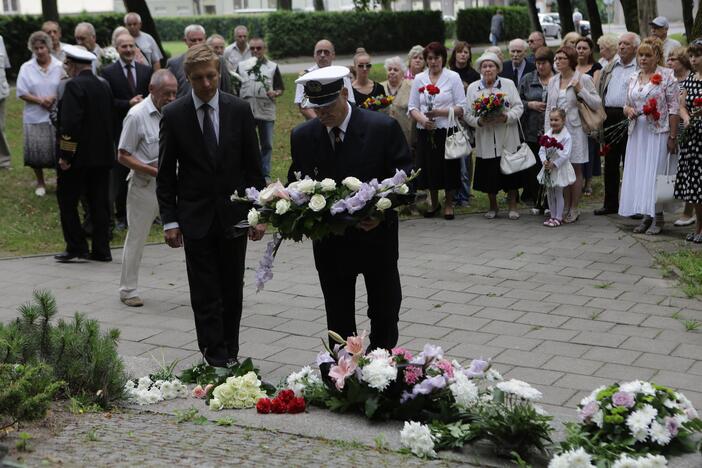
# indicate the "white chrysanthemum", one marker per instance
pixel 592 396
pixel 647 388
pixel 298 381
pixel 418 438
pixel 626 462
pixel 464 391
pixel 520 389
pixel 659 433
pixel 572 459
pixel 492 375
pixel 649 411
pixel 379 353
pixel 145 382
pixel 632 387
pixel 598 418
pixel 653 461
pixel 378 373
pixel 638 424
pixel 670 404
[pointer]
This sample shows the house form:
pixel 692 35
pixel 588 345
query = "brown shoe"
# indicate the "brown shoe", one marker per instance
pixel 132 301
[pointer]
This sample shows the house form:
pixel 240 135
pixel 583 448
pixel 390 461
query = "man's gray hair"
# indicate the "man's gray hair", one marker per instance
pixel 39 37
pixel 215 36
pixel 88 26
pixel 191 28
pixel 395 62
pixel 160 76
pixel 240 27
pixel 131 13
pixel 518 42
pixel 636 39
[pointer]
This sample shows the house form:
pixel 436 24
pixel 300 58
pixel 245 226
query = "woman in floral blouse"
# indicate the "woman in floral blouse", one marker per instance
pixel 652 106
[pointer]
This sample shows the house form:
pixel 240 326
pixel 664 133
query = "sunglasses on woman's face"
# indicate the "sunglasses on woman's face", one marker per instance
pixel 367 66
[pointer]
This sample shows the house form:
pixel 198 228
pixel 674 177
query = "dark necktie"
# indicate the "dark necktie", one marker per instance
pixel 208 131
pixel 130 79
pixel 337 138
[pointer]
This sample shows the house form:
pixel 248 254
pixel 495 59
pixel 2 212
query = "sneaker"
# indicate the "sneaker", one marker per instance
pixel 132 301
pixel 40 191
pixel 685 221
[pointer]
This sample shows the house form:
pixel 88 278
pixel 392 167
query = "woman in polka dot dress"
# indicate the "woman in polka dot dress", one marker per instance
pixel 688 183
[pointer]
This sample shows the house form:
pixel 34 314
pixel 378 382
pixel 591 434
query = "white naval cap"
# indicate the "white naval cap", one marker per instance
pixel 323 85
pixel 78 54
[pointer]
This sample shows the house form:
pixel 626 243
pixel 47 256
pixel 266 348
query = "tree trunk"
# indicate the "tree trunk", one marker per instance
pixel 49 10
pixel 631 15
pixel 318 5
pixel 595 20
pixel 426 5
pixel 687 16
pixel 648 9
pixel 147 22
pixel 386 5
pixel 697 27
pixel 534 16
pixel 565 12
pixel 285 5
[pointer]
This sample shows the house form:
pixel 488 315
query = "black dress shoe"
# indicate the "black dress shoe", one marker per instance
pixel 432 213
pixel 100 258
pixel 604 211
pixel 65 257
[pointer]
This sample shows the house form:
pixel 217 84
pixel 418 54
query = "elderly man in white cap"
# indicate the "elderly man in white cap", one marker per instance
pixel 342 141
pixel 659 28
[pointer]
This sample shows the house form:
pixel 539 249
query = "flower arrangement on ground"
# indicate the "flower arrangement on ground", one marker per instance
pixel 284 402
pixel 237 393
pixel 378 103
pixel 146 391
pixel 633 418
pixel 460 404
pixel 312 209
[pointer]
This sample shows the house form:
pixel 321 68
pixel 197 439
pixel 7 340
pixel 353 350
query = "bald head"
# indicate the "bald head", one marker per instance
pixel 324 53
pixel 162 88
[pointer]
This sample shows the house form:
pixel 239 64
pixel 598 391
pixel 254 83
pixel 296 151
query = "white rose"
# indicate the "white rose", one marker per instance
pixel 307 186
pixel 383 204
pixel 317 202
pixel 267 195
pixel 252 217
pixel 328 185
pixel 282 206
pixel 215 404
pixel 352 183
pixel 402 189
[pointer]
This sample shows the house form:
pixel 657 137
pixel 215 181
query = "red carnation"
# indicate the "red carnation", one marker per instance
pixel 421 90
pixel 296 405
pixel 656 79
pixel 278 406
pixel 286 395
pixel 697 102
pixel 432 89
pixel 263 405
pixel 605 149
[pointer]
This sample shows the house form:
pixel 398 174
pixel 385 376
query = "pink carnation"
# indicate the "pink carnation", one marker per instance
pixel 402 352
pixel 446 367
pixel 412 374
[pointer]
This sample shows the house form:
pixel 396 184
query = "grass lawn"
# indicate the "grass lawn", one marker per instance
pixel 30 225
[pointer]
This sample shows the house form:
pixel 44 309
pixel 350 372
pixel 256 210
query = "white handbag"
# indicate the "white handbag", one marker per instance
pixel 457 141
pixel 665 186
pixel 523 158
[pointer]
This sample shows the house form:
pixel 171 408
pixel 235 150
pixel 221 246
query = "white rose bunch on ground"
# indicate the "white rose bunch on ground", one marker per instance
pixel 418 438
pixel 145 391
pixel 237 392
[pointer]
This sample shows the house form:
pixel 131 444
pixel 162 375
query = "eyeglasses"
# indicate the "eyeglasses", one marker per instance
pixel 255 48
pixel 367 66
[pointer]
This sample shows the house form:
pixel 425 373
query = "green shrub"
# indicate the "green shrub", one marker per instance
pixel 26 391
pixel 171 28
pixel 473 25
pixel 77 351
pixel 294 34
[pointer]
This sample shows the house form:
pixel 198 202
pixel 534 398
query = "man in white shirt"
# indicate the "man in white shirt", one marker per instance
pixel 138 150
pixel 324 55
pixel 4 92
pixel 239 50
pixel 613 88
pixel 145 41
pixel 659 28
pixel 53 29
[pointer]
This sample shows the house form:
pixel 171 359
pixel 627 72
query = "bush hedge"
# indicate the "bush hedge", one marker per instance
pixel 171 28
pixel 295 34
pixel 473 25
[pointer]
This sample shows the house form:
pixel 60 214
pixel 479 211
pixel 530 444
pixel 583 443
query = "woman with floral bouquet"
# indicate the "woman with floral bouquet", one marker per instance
pixel 557 171
pixel 687 182
pixel 652 106
pixel 433 93
pixel 496 130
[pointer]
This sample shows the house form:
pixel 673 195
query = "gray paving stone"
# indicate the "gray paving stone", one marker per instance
pixel 605 293
pixel 590 324
pixel 556 334
pixel 559 348
pixel 427 331
pixel 663 322
pixel 622 373
pixel 506 328
pixel 473 351
pixel 630 330
pixel 577 311
pixel 464 323
pixel 523 358
pixel 656 345
pixel 684 381
pixel 621 317
pixel 537 377
pixel 572 365
pixel 544 320
pixel 598 339
pixel 660 361
pixel 514 342
pixel 170 338
pixel 526 294
pixel 619 356
pixel 499 314
pixel 688 351
pixel 610 304
pixel 581 382
pixel 569 299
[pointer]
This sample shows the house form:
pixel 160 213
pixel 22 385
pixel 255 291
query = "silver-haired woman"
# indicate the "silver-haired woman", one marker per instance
pixel 399 87
pixel 415 62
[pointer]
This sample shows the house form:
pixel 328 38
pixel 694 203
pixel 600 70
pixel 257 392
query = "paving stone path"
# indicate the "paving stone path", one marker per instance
pixel 565 309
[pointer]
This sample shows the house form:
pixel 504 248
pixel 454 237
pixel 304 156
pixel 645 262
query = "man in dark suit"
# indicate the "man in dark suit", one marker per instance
pixel 195 34
pixel 86 154
pixel 344 141
pixel 516 68
pixel 207 150
pixel 129 82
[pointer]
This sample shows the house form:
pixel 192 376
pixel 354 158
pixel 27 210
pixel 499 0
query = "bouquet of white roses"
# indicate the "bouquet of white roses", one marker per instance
pixel 237 392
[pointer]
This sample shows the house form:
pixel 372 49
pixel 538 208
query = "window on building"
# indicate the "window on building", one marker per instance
pixel 10 6
pixel 210 10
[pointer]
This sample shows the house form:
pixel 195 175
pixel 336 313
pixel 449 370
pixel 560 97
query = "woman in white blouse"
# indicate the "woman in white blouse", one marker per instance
pixel 37 86
pixel 437 172
pixel 565 90
pixel 495 134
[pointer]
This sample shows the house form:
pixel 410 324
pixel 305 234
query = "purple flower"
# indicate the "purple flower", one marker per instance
pixel 354 204
pixel 324 357
pixel 431 352
pixel 477 368
pixel 624 399
pixel 672 425
pixel 398 179
pixel 429 385
pixel 338 207
pixel 588 411
pixel 298 197
pixel 264 273
pixel 252 194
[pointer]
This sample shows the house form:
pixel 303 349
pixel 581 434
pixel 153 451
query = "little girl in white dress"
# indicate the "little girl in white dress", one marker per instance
pixel 557 171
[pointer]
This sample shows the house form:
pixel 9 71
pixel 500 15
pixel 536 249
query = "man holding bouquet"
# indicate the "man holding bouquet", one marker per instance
pixel 346 141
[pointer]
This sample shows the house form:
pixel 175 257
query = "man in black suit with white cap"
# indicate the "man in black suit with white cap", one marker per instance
pixel 343 141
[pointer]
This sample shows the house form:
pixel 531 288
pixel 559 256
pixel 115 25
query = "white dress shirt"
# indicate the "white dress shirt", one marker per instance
pixel 343 126
pixel 617 87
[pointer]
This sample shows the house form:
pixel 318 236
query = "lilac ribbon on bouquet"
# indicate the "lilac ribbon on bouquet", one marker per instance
pixel 264 273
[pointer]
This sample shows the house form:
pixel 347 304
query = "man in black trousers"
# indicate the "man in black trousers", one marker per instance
pixel 348 141
pixel 86 154
pixel 207 150
pixel 129 81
